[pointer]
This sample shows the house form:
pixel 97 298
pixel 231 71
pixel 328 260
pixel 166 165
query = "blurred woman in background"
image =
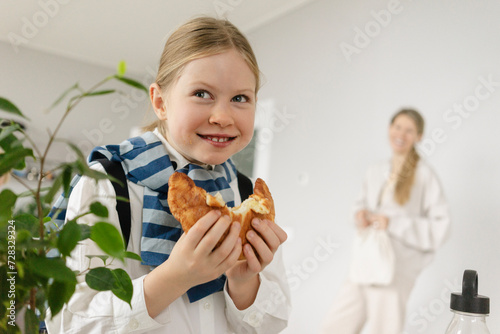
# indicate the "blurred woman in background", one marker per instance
pixel 402 196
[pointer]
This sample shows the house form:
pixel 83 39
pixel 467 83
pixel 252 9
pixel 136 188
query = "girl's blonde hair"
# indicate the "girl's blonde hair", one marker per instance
pixel 197 38
pixel 406 175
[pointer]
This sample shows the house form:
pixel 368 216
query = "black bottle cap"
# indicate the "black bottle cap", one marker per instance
pixel 469 301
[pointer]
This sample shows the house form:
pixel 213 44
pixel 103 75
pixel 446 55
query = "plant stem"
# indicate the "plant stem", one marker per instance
pixel 31 142
pixel 71 105
pixel 33 299
pixel 18 179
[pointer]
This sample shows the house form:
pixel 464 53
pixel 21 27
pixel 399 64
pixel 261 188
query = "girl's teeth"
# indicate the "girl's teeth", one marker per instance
pixel 220 140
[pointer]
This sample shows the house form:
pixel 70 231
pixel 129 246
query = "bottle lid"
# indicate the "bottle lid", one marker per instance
pixel 469 301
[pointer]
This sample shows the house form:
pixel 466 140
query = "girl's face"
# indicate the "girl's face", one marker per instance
pixel 403 134
pixel 209 111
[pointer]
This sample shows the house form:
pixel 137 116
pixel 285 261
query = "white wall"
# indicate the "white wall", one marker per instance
pixel 333 117
pixel 33 80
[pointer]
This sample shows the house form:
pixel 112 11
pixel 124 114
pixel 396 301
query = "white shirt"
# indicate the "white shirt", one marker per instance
pixel 417 228
pixel 91 311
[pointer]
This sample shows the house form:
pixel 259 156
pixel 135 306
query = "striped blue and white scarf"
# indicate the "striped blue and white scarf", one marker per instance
pixel 146 162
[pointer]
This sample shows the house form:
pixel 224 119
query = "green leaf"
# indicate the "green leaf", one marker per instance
pixel 63 95
pixel 29 193
pixel 31 322
pixel 68 238
pixel 122 287
pixel 10 107
pixel 133 256
pixel 117 280
pixel 84 169
pixel 7 202
pixel 109 239
pixel 23 235
pixel 100 92
pixel 74 148
pixel 9 141
pixel 132 83
pixel 123 199
pixel 29 223
pixel 84 231
pixel 14 158
pixel 100 279
pixel 9 130
pixel 122 68
pixel 54 190
pixel 98 209
pixel 59 293
pixel 52 268
pixel 103 258
pixel 66 179
pixel 20 269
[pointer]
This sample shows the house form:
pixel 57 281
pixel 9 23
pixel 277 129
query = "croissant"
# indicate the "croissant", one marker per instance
pixel 188 203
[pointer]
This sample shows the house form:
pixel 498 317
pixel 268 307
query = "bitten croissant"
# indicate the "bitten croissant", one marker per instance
pixel 188 203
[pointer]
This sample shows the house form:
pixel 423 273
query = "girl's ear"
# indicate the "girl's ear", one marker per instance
pixel 157 101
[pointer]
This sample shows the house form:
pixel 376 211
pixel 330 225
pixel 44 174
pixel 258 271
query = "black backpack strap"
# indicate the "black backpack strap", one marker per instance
pixel 245 186
pixel 122 207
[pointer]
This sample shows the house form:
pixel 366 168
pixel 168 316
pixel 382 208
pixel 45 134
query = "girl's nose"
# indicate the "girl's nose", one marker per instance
pixel 221 115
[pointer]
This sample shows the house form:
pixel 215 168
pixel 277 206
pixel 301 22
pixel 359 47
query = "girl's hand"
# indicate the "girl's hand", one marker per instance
pixel 194 256
pixel 194 260
pixel 243 280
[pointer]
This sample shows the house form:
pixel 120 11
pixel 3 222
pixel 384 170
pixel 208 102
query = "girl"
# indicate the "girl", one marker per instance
pixel 404 197
pixel 204 97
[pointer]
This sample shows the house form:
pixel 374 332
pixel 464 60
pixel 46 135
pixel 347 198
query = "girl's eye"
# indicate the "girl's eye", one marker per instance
pixel 202 94
pixel 240 98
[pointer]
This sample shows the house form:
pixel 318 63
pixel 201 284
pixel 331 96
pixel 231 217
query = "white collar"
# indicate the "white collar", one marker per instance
pixel 175 156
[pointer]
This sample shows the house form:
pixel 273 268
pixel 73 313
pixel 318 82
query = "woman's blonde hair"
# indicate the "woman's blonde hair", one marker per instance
pixel 406 175
pixel 197 38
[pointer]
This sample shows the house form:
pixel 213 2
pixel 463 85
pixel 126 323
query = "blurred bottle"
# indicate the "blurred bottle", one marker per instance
pixel 469 308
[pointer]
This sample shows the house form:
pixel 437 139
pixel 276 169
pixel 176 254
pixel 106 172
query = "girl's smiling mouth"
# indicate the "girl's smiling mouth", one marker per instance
pixel 217 139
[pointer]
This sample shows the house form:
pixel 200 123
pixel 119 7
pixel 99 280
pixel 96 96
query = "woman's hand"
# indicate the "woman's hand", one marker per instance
pixel 243 279
pixel 379 221
pixel 362 220
pixel 193 261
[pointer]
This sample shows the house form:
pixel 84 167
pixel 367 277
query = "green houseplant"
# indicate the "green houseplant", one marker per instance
pixel 31 279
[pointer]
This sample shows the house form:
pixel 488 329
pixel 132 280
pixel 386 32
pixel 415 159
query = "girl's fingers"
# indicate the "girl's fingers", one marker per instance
pixel 261 247
pixel 253 261
pixel 212 237
pixel 280 233
pixel 201 227
pixel 232 257
pixel 272 234
pixel 229 242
